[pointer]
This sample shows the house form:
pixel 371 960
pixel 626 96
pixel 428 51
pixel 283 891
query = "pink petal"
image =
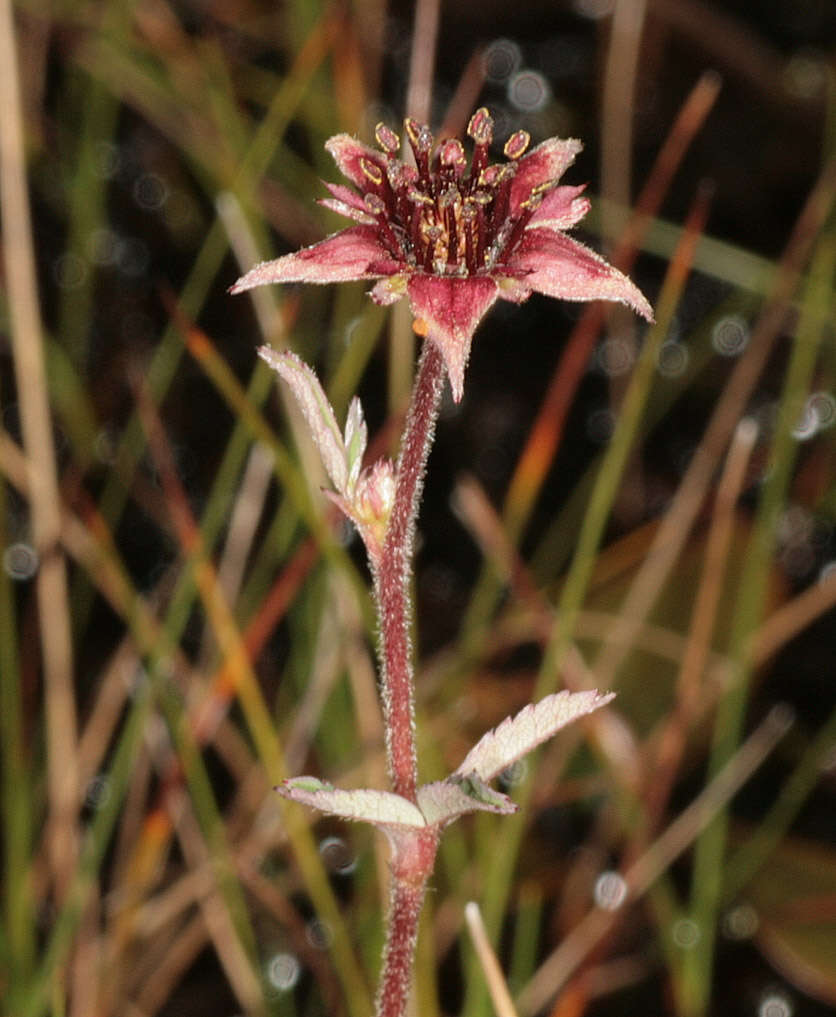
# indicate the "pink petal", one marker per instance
pixel 354 253
pixel 346 201
pixel 451 310
pixel 560 208
pixel 558 266
pixel 347 195
pixel 341 208
pixel 547 162
pixel 347 153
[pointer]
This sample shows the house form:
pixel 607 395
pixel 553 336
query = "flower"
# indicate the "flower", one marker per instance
pixel 455 240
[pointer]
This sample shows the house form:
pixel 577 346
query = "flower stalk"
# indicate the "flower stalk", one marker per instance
pixel 393 576
pixel 453 241
pixel 413 860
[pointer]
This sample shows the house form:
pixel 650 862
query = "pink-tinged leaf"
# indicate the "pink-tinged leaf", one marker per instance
pixel 446 800
pixel 516 736
pixel 354 253
pixel 451 309
pixel 561 208
pixel 558 266
pixel 382 808
pixel 543 164
pixel 349 154
pixel 316 409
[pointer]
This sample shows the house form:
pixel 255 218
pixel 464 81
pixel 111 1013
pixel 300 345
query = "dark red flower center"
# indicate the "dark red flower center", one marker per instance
pixel 438 217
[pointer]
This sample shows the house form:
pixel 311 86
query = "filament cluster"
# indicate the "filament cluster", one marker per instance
pixel 439 216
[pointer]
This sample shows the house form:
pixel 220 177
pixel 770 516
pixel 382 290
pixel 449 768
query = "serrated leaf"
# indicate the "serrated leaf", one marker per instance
pixel 382 808
pixel 356 439
pixel 446 800
pixel 516 736
pixel 315 408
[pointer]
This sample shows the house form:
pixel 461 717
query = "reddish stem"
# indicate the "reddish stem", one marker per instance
pixel 413 850
pixel 394 574
pixel 413 858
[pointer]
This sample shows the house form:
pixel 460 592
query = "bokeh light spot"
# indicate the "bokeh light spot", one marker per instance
pixel 610 891
pixel 20 561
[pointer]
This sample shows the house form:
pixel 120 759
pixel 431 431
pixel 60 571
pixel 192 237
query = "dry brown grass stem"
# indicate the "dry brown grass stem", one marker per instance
pixel 792 618
pixel 545 435
pixel 680 517
pixel 703 620
pixel 326 670
pixel 274 329
pixel 617 113
pixel 731 46
pixel 465 98
pixel 42 471
pixel 618 104
pixel 422 60
pixel 561 964
pixel 180 952
pixel 497 986
pixel 244 518
pixel 230 951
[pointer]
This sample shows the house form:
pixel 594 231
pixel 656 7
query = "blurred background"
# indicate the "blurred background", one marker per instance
pixel 184 621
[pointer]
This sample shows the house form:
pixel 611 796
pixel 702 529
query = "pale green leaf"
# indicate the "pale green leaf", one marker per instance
pixel 448 799
pixel 534 724
pixel 382 808
pixel 316 410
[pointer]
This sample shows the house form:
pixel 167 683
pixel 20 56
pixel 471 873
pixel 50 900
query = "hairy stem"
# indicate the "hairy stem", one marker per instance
pixel 394 574
pixel 413 858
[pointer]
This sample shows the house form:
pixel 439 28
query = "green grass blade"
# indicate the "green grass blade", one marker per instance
pixel 709 868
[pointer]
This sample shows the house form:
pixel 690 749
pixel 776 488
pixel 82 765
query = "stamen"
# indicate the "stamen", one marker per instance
pixel 470 225
pixel 377 207
pixel 378 176
pixel 502 194
pixel 419 197
pixel 387 139
pixel 374 203
pixel 516 145
pixel 413 129
pixel 529 207
pixel 480 199
pixel 449 196
pixel 432 235
pixel 452 158
pixel 420 203
pixel 400 179
pixel 480 129
pixel 432 213
pixel 490 176
pixel 449 201
pixel 421 141
pixel 372 172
